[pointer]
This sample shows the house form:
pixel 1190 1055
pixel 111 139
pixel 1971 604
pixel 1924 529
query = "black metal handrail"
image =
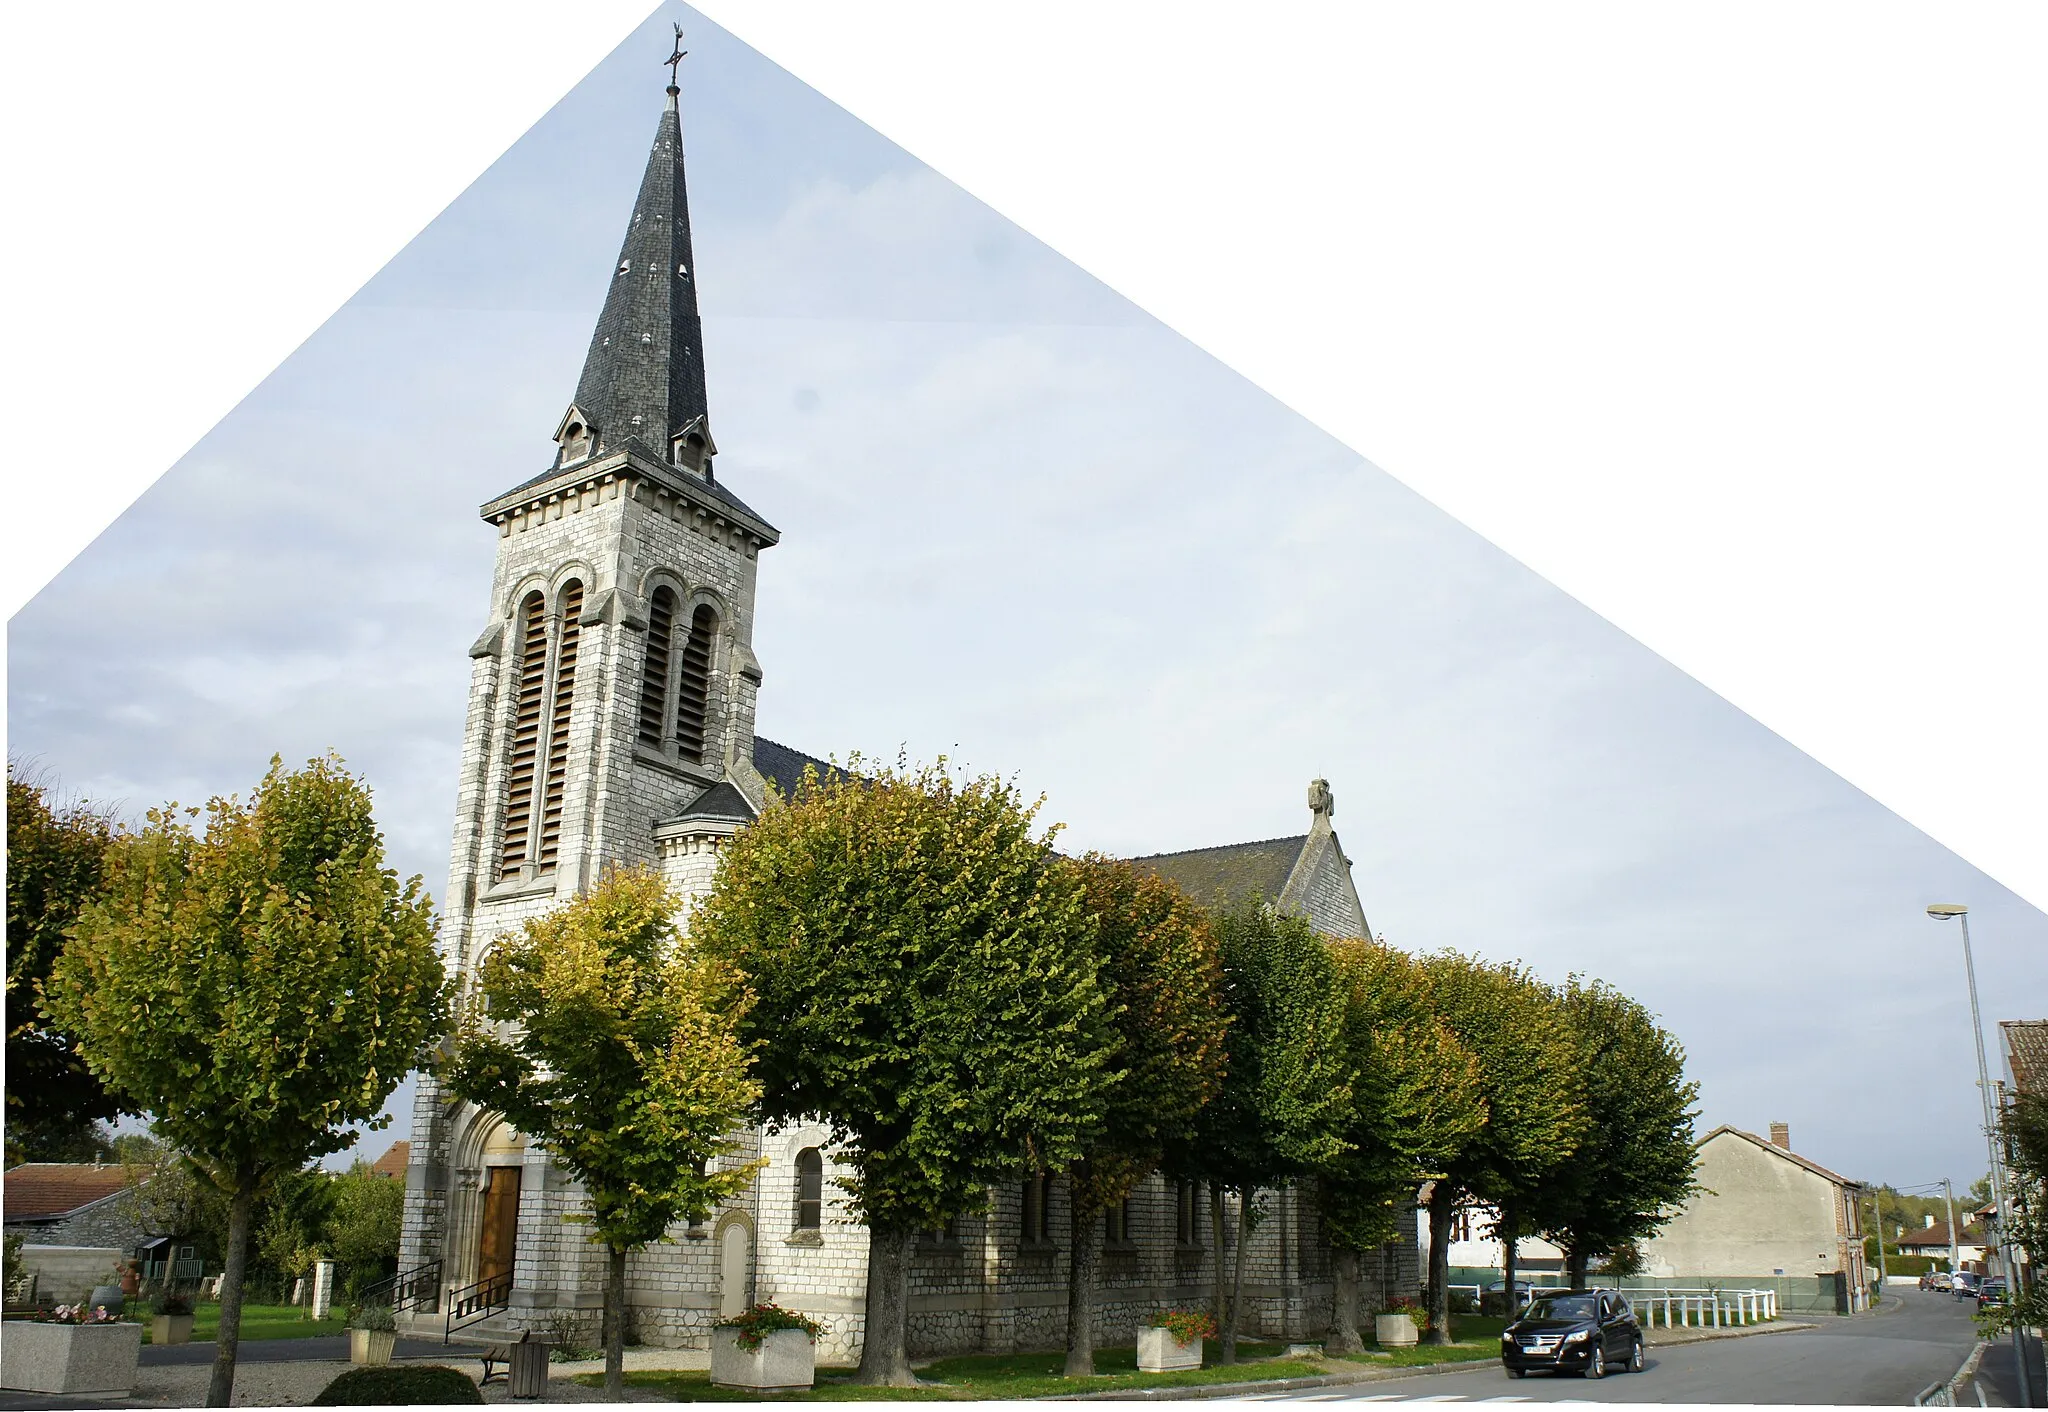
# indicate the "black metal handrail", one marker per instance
pixel 418 1288
pixel 473 1304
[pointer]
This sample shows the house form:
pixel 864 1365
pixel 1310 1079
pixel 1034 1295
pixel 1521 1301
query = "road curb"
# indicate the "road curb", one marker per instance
pixel 1205 1390
pixel 1709 1335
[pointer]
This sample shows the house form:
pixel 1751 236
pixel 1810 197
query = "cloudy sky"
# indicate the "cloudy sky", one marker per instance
pixel 1026 525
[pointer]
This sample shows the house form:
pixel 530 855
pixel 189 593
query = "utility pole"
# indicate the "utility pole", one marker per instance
pixel 1877 1204
pixel 1948 1193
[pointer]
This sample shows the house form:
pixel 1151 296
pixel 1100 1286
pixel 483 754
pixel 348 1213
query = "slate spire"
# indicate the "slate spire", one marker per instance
pixel 643 380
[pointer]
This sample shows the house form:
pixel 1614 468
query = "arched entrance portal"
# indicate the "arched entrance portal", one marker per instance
pixel 498 1227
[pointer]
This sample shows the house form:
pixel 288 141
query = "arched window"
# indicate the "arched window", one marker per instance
pixel 693 693
pixel 533 669
pixel 810 1189
pixel 661 621
pixel 557 778
pixel 1038 1209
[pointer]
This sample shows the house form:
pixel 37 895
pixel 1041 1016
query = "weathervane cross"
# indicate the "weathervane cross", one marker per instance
pixel 675 58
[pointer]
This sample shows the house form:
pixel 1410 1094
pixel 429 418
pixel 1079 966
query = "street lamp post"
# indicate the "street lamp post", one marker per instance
pixel 1941 912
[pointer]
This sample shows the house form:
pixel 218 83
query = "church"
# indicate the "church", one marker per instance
pixel 612 719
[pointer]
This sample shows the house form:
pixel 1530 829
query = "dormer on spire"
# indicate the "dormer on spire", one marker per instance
pixel 576 434
pixel 643 379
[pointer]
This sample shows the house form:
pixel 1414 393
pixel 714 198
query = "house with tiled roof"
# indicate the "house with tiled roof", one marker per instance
pixel 1932 1240
pixel 392 1163
pixel 1765 1216
pixel 2026 1055
pixel 72 1203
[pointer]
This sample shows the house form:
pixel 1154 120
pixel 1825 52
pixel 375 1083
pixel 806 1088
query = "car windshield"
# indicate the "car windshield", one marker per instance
pixel 1564 1306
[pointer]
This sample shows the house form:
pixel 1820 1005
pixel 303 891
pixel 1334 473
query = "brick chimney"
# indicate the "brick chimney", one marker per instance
pixel 1781 1136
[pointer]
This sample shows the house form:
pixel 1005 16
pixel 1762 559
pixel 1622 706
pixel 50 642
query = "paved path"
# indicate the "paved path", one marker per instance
pixel 1878 1359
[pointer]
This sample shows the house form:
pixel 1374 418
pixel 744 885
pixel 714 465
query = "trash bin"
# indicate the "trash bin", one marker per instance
pixel 527 1374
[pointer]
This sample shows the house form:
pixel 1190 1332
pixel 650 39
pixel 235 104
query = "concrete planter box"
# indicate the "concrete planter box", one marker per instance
pixel 371 1346
pixel 171 1328
pixel 70 1358
pixel 1395 1330
pixel 1160 1352
pixel 786 1361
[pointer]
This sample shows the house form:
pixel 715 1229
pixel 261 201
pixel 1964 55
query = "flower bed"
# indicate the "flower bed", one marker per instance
pixel 766 1349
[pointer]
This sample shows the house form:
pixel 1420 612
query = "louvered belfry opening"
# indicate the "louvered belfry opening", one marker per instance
pixel 694 692
pixel 558 728
pixel 533 672
pixel 661 620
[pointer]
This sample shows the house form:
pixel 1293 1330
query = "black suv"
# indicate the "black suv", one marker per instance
pixel 1593 1332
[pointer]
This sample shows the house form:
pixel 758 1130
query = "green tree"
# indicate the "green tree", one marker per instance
pixel 1509 1021
pixel 1287 1089
pixel 1163 976
pixel 606 1038
pixel 927 980
pixel 291 1225
pixel 1415 1102
pixel 1633 1162
pixel 55 855
pixel 2023 1127
pixel 362 1231
pixel 257 989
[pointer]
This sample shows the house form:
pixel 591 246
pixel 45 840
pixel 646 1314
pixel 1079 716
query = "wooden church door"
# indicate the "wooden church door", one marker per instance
pixel 500 1224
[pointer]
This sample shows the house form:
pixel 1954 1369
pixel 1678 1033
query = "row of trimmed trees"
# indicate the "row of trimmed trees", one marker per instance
pixel 901 954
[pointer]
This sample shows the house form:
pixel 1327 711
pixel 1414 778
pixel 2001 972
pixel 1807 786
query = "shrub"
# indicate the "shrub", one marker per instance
pixel 400 1385
pixel 1403 1304
pixel 373 1318
pixel 168 1303
pixel 1186 1325
pixel 764 1319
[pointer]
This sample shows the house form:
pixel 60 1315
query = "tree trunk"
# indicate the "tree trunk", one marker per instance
pixel 1084 1231
pixel 1575 1262
pixel 1511 1301
pixel 1244 1240
pixel 220 1392
pixel 615 1325
pixel 1222 1302
pixel 885 1343
pixel 1443 1204
pixel 1343 1336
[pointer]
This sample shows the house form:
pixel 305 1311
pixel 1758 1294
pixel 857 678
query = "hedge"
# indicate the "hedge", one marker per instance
pixel 400 1385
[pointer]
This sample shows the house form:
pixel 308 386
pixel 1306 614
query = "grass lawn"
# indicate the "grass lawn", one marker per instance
pixel 1009 1376
pixel 1477 1335
pixel 259 1321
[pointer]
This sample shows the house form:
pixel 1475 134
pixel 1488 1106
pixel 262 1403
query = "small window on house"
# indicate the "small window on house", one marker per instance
pixel 1038 1209
pixel 1187 1213
pixel 810 1189
pixel 1116 1224
pixel 187 1252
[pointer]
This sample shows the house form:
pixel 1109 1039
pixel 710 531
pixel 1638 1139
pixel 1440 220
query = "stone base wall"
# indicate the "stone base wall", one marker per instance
pixel 67 1274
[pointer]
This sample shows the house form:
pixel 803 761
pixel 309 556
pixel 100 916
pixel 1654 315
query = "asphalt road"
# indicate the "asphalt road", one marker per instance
pixel 284 1350
pixel 1880 1359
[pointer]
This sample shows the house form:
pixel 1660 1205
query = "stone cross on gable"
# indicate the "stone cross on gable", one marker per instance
pixel 1320 801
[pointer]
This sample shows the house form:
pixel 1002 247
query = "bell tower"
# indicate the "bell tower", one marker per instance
pixel 611 700
pixel 614 682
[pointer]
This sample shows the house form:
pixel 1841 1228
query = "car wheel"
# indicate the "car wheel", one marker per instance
pixel 1597 1367
pixel 1635 1357
pixel 1518 1372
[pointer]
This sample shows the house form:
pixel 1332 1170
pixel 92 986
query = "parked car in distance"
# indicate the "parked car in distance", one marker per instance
pixel 1991 1292
pixel 1963 1283
pixel 1935 1279
pixel 1593 1332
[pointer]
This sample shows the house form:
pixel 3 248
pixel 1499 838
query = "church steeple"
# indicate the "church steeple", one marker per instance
pixel 643 379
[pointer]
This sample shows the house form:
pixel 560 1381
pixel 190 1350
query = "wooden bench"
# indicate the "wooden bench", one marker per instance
pixel 497 1361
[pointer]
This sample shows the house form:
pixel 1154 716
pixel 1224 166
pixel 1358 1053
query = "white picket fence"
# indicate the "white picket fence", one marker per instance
pixel 1688 1308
